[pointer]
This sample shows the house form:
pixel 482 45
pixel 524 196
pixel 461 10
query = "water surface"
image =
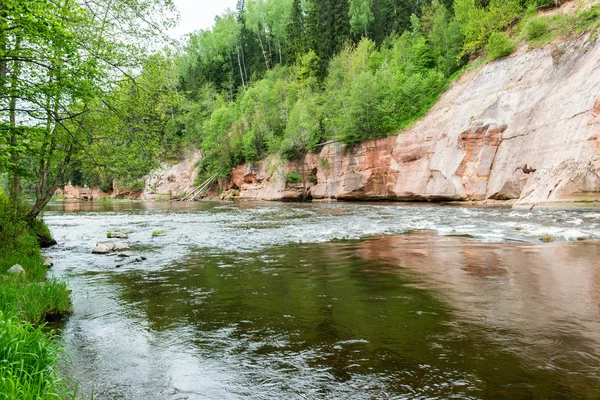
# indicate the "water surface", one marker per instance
pixel 312 301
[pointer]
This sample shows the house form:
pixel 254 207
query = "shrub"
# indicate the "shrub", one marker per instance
pixel 293 177
pixel 499 45
pixel 536 29
pixel 18 239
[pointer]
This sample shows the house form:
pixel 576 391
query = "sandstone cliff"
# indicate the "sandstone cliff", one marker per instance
pixel 524 128
pixel 172 180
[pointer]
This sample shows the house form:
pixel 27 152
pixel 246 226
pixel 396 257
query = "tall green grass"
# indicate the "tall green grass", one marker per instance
pixel 29 356
pixel 29 363
pixel 34 302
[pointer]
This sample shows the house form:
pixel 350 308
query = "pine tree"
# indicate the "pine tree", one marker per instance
pixel 341 32
pixel 328 25
pixel 399 12
pixel 295 34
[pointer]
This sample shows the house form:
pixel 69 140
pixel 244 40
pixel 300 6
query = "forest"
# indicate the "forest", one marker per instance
pixel 271 77
pixel 283 76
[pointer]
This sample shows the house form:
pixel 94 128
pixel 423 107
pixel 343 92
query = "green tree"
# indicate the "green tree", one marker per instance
pixel 478 22
pixel 361 16
pixel 256 21
pixel 60 57
pixel 278 14
pixel 295 33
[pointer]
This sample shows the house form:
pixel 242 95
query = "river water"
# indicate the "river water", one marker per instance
pixel 331 301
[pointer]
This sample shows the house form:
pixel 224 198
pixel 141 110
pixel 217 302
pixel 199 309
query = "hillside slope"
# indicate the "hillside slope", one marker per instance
pixel 524 128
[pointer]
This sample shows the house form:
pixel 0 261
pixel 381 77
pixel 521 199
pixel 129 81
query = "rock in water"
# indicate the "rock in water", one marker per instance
pixel 47 260
pixel 101 249
pixel 120 247
pixel 45 241
pixel 109 247
pixel 16 270
pixel 119 235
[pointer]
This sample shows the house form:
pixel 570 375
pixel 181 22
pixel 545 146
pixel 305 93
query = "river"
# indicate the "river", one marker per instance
pixel 331 301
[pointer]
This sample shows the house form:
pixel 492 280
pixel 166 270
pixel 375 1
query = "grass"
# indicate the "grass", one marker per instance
pixel 158 233
pixel 29 356
pixel 293 177
pixel 34 302
pixel 538 29
pixel 28 362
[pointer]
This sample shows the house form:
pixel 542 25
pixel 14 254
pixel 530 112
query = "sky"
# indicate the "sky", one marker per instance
pixel 198 14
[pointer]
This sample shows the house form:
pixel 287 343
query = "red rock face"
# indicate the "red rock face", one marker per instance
pixel 523 128
pixel 480 145
pixel 596 109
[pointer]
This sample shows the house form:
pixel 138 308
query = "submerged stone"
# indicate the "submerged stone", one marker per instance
pixel 119 235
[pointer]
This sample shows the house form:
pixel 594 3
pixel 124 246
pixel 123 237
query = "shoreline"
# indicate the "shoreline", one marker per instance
pixel 490 203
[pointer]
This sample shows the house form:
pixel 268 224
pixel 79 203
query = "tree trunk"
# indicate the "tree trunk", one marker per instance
pixel 240 66
pixel 45 186
pixel 15 179
pixel 280 56
pixel 3 66
pixel 244 64
pixel 263 50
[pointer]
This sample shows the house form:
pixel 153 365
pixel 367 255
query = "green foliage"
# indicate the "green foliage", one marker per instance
pixel 536 28
pixel 361 16
pixel 29 357
pixel 540 30
pixel 29 367
pixel 59 62
pixel 477 23
pixel 18 241
pixel 34 302
pixel 283 76
pixel 158 233
pixel 499 45
pixel 293 177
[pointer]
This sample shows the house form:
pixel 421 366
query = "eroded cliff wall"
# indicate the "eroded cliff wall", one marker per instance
pixel 523 128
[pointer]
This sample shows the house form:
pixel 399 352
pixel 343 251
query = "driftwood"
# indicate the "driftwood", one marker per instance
pixel 203 188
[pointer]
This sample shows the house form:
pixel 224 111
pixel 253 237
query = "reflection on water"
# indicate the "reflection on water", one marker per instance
pixel 413 316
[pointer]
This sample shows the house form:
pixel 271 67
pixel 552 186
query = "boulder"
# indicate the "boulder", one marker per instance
pixel 230 195
pixel 118 235
pixel 109 247
pixel 16 270
pixel 120 247
pixel 45 241
pixel 101 249
pixel 47 260
pixel 136 260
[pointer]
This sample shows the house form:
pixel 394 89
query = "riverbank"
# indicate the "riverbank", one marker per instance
pixel 30 354
pixel 71 204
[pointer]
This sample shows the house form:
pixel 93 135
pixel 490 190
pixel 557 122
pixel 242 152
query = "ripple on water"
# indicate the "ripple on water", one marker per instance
pixel 333 301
